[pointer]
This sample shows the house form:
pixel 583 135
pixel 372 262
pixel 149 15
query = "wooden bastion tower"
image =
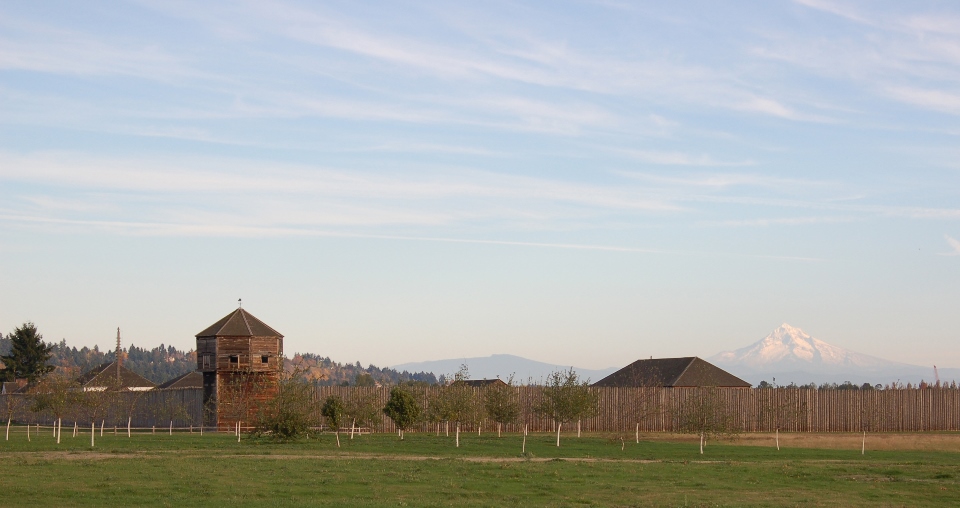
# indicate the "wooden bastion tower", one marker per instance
pixel 241 359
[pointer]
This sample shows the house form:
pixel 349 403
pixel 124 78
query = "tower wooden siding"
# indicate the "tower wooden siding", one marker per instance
pixel 241 359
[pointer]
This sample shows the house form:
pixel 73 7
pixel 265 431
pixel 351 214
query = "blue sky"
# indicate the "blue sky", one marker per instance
pixel 577 182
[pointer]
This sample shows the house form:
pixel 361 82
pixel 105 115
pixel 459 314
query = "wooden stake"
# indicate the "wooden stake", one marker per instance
pixel 128 425
pixel 102 423
pixel 93 432
pixel 8 428
pixel 778 439
pixel 578 427
pixel 337 433
pixel 171 427
pixel 863 444
pixel 58 429
pixel 458 434
pixel 560 424
pixel 28 432
pixel 75 425
pixel 638 433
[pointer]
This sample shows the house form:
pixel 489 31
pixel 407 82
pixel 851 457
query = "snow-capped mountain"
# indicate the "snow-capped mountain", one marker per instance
pixel 789 346
pixel 791 355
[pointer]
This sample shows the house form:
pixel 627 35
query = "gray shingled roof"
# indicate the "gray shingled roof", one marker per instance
pixel 479 383
pixel 106 374
pixel 189 380
pixel 239 323
pixel 672 372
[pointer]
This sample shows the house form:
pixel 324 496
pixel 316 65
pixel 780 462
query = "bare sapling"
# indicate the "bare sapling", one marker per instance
pixel 59 429
pixel 8 429
pixel 523 449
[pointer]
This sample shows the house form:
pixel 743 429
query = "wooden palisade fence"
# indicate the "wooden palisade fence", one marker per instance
pixel 619 409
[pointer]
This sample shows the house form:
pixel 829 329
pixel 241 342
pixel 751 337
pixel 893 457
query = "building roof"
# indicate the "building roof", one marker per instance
pixel 17 386
pixel 239 323
pixel 479 383
pixel 105 375
pixel 189 380
pixel 672 372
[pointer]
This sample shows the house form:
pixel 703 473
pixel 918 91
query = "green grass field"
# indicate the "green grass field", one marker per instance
pixel 425 470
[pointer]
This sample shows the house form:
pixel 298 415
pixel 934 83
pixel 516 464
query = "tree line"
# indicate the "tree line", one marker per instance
pixel 165 362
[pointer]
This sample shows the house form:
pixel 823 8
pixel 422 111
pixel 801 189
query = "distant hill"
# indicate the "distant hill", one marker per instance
pixel 324 371
pixel 792 356
pixel 525 371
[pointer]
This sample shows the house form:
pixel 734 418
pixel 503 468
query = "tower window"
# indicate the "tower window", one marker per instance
pixel 234 359
pixel 264 359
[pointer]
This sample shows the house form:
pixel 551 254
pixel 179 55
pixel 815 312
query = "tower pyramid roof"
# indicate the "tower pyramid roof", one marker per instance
pixel 239 323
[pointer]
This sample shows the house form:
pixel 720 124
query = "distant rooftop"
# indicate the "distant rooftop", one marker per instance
pixel 689 371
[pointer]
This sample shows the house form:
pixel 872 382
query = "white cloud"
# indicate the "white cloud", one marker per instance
pixel 935 100
pixel 954 244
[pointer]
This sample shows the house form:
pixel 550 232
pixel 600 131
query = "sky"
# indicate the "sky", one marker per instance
pixel 577 182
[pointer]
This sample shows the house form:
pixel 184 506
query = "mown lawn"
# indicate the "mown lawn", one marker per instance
pixel 425 470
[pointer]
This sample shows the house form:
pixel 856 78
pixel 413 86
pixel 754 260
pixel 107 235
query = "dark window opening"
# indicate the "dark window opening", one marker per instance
pixel 264 359
pixel 234 359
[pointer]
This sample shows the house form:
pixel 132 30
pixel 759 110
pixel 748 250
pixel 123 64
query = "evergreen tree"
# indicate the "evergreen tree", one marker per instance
pixel 28 355
pixel 402 408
